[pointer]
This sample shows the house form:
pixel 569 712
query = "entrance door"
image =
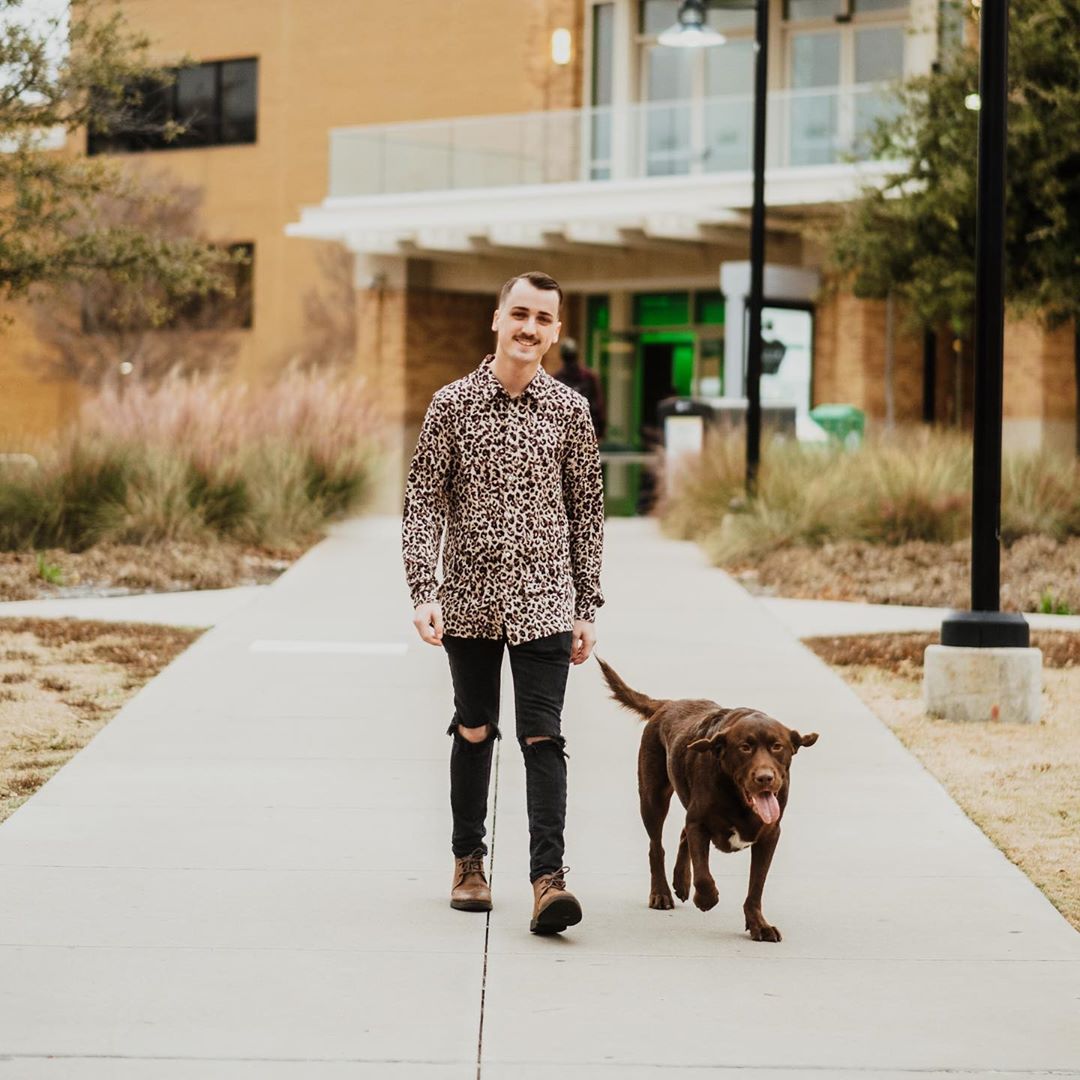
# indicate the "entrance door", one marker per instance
pixel 665 369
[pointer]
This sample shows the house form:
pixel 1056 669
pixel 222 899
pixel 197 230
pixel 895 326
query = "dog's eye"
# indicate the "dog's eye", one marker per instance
pixel 746 748
pixel 778 748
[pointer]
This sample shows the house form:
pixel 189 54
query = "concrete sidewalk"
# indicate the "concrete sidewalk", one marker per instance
pixel 244 874
pixel 185 607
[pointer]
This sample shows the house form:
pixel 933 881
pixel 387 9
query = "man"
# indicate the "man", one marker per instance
pixel 507 461
pixel 585 382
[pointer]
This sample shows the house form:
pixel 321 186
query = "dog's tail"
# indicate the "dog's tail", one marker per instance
pixel 622 693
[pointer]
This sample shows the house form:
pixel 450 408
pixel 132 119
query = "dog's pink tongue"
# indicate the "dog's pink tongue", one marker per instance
pixel 766 807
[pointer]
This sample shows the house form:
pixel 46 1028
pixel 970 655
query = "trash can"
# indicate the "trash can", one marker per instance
pixel 845 423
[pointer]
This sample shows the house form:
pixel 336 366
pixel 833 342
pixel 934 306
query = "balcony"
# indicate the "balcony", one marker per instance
pixel 654 139
pixel 599 180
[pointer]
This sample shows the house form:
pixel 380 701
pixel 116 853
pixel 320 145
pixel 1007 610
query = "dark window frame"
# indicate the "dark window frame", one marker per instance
pixel 161 104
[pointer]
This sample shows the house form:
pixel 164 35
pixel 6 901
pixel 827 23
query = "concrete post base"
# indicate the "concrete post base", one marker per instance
pixel 983 684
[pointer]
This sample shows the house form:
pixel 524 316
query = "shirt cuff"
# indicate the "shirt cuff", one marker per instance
pixel 587 612
pixel 427 593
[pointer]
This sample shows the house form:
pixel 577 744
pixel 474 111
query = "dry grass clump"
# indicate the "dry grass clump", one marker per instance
pixel 195 458
pixel 1039 496
pixel 909 486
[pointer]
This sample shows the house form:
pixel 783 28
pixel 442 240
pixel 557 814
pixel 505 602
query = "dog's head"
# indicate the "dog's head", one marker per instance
pixel 755 751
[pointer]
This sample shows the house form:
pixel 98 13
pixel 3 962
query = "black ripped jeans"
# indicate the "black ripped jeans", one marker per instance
pixel 540 670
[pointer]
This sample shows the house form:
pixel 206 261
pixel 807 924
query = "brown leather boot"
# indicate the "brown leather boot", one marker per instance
pixel 554 908
pixel 470 891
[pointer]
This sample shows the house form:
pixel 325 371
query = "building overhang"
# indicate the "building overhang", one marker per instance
pixel 634 214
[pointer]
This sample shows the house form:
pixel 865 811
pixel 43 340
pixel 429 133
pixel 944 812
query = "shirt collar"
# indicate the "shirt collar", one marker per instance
pixel 538 386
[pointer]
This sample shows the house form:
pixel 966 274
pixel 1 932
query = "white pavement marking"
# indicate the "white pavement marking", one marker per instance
pixel 363 648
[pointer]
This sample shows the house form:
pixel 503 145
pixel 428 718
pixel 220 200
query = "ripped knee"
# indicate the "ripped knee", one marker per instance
pixel 474 736
pixel 536 743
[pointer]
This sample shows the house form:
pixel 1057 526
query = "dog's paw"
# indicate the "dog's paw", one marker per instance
pixel 706 897
pixel 681 883
pixel 661 901
pixel 764 932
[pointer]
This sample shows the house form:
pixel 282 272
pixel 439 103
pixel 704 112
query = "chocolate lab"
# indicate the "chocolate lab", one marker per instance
pixel 730 769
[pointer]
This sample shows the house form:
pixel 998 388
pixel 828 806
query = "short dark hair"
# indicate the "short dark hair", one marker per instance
pixel 538 279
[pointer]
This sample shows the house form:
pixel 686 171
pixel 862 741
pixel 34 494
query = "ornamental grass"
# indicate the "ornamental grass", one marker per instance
pixel 909 485
pixel 197 457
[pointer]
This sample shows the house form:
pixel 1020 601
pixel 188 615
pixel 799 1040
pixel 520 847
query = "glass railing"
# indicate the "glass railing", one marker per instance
pixel 666 138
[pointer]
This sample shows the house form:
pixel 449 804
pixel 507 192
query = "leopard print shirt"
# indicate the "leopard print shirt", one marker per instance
pixel 516 484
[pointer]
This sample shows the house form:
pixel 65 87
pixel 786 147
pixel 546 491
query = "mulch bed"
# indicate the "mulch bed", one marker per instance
pixel 917 573
pixel 900 653
pixel 167 566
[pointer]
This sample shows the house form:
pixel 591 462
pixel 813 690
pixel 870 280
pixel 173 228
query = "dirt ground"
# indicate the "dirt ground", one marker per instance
pixel 113 569
pixel 61 681
pixel 1020 783
pixel 931 575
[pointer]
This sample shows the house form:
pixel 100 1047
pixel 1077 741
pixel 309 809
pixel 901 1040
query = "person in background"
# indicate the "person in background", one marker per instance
pixel 585 382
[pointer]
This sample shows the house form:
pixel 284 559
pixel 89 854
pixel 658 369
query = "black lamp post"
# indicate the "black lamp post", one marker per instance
pixel 985 625
pixel 692 22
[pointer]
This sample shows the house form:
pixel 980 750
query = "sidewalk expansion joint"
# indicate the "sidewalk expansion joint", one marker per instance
pixel 487 918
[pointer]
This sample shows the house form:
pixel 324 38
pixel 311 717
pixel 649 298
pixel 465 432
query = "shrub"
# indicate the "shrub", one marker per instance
pixel 1040 495
pixel 197 457
pixel 912 485
pixel 915 486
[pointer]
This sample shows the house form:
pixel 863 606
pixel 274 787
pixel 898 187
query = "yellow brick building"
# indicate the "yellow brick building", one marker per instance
pixel 446 147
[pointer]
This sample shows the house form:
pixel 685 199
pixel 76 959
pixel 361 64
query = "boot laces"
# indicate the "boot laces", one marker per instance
pixel 557 880
pixel 471 864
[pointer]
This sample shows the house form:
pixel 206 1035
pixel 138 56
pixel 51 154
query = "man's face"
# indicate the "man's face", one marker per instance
pixel 527 324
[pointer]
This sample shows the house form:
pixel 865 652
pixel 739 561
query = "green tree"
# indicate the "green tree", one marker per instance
pixel 914 236
pixel 83 70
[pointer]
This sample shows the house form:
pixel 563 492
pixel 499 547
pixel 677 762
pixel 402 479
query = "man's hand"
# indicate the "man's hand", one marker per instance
pixel 427 619
pixel 584 640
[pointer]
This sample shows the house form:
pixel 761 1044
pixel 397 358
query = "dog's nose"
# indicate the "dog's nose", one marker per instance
pixel 764 777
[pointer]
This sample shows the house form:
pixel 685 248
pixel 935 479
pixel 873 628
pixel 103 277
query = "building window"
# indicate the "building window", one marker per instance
pixel 810 10
pixel 655 16
pixel 839 55
pixel 603 49
pixel 215 102
pixel 696 102
pixel 805 10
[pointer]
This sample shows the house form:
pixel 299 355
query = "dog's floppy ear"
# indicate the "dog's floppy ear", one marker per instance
pixel 798 740
pixel 715 743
